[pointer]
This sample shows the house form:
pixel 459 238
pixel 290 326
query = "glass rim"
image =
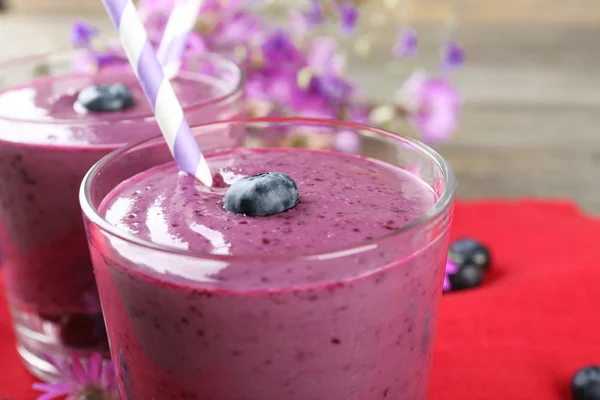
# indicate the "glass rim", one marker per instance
pixel 438 209
pixel 231 91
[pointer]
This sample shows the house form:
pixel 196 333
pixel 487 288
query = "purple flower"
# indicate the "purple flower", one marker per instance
pixel 432 105
pixel 358 113
pixel 290 74
pixel 82 33
pixel 157 5
pixel 272 87
pixel 322 57
pixel 279 49
pixel 302 22
pixel 314 15
pixel 451 269
pixel 196 43
pixel 348 17
pixel 327 66
pixel 109 59
pixel 298 25
pixel 311 102
pixel 335 88
pixel 454 56
pixel 93 61
pixel 240 28
pixel 97 381
pixel 407 44
pixel 222 5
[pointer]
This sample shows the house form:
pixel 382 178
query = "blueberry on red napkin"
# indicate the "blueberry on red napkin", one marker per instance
pixel 586 384
pixel 468 261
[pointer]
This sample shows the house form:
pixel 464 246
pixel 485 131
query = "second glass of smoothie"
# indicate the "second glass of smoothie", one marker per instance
pixel 334 299
pixel 48 141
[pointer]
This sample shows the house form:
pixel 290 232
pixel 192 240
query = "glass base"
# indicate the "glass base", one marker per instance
pixel 57 337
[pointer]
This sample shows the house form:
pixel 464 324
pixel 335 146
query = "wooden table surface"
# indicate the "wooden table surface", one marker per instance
pixel 531 118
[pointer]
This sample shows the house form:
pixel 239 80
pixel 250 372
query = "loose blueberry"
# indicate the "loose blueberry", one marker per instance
pixel 469 251
pixel 105 98
pixel 467 277
pixel 586 384
pixel 262 195
pixel 83 331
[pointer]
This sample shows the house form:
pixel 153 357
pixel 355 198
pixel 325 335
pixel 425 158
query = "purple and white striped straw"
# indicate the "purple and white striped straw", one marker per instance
pixel 180 24
pixel 158 89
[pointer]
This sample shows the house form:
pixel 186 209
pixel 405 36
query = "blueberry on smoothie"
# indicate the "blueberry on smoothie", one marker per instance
pixel 105 98
pixel 262 195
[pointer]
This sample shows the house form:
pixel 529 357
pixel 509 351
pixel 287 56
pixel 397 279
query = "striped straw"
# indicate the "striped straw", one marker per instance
pixel 158 89
pixel 180 24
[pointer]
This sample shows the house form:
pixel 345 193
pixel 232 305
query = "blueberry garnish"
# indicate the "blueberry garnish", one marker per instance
pixel 262 195
pixel 467 277
pixel 469 251
pixel 105 98
pixel 586 384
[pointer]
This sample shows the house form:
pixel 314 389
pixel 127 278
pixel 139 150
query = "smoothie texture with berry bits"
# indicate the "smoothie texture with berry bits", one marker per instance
pixel 233 311
pixel 52 131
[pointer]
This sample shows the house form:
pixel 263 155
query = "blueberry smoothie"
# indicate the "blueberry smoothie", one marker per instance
pixel 303 290
pixel 52 130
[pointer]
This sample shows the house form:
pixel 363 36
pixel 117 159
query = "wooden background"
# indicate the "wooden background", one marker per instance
pixel 487 11
pixel 531 117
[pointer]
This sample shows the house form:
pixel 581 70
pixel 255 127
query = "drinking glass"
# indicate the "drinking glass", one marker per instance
pixel 360 328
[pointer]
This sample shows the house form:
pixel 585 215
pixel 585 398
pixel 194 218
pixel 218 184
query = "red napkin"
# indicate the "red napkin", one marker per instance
pixel 15 381
pixel 535 321
pixel 521 336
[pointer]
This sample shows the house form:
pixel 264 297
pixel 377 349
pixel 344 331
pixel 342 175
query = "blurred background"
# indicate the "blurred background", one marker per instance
pixel 531 118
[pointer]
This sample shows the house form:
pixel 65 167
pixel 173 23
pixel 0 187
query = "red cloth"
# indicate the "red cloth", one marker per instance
pixel 519 337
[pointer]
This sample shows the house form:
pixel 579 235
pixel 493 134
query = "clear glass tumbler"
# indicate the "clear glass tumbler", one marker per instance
pixel 47 144
pixel 358 325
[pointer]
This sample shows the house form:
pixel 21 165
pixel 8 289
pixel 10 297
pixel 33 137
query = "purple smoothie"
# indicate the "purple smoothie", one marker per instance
pixel 236 313
pixel 47 144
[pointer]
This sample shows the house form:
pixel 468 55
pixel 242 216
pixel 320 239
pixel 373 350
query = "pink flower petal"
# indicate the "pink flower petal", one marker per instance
pixel 77 370
pixel 451 267
pixel 298 23
pixel 359 114
pixel 447 285
pixel 94 368
pixel 322 56
pixel 54 390
pixel 437 118
pixel 433 106
pixel 321 52
pixel 157 5
pixel 196 42
pixel 60 366
pixel 410 92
